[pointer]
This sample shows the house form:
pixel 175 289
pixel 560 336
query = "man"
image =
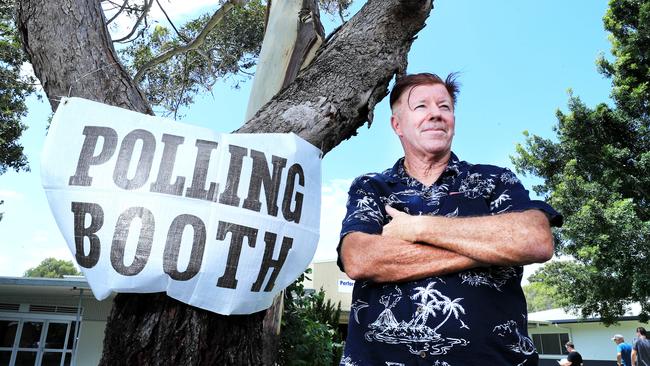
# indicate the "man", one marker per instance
pixel 436 246
pixel 573 358
pixel 623 351
pixel 641 349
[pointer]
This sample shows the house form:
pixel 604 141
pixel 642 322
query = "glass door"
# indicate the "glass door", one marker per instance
pixel 29 342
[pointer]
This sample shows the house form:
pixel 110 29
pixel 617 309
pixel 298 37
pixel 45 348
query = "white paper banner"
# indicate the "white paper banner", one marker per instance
pixel 219 221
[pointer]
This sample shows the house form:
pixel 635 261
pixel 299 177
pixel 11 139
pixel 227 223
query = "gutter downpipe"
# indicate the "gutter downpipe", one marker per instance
pixel 76 330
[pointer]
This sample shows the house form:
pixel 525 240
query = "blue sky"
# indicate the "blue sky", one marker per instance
pixel 517 61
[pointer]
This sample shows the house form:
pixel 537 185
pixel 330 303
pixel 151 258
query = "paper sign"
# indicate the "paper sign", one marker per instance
pixel 219 221
pixel 346 286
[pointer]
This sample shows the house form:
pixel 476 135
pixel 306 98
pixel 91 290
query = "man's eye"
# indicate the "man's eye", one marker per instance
pixel 445 107
pixel 420 106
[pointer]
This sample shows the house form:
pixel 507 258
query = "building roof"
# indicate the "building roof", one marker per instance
pixel 559 315
pixel 43 286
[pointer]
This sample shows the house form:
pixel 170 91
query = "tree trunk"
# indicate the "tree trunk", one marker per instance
pixel 69 46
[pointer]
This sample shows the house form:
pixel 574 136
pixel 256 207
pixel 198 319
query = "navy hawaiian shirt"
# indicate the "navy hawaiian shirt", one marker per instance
pixel 475 317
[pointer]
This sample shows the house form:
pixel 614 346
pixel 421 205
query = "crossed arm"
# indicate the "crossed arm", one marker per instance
pixel 414 247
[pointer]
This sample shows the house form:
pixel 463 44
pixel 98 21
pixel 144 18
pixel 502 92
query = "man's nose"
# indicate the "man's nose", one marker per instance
pixel 434 112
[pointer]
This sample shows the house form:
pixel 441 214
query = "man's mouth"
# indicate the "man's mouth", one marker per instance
pixel 434 129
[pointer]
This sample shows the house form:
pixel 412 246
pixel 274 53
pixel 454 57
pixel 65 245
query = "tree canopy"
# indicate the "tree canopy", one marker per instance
pixel 53 268
pixel 14 89
pixel 229 50
pixel 540 296
pixel 597 174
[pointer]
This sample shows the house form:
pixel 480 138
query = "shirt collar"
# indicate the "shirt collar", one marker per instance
pixel 398 173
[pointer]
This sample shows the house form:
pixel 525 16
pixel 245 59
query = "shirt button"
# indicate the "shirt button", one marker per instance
pixel 419 309
pixel 423 354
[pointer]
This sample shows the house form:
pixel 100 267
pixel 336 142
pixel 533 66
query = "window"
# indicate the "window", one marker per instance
pixel 40 342
pixel 551 343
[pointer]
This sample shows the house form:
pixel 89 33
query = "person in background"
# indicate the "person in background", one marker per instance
pixel 641 349
pixel 623 351
pixel 573 358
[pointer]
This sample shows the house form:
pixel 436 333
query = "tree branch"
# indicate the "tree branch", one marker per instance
pixel 171 23
pixel 118 12
pixel 137 23
pixel 216 18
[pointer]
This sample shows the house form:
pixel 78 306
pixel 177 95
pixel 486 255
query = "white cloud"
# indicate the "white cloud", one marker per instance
pixel 334 195
pixel 13 195
pixel 31 253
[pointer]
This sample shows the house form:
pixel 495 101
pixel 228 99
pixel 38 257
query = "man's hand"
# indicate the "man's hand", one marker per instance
pixel 403 226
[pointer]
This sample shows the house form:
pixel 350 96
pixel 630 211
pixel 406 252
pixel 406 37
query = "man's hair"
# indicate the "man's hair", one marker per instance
pixel 569 344
pixel 408 81
pixel 641 331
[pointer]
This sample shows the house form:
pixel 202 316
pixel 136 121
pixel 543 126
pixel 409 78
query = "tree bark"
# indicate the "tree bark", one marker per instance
pixel 70 49
pixel 69 46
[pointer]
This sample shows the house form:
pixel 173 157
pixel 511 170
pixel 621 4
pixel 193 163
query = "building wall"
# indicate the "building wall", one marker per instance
pixel 91 339
pixel 327 275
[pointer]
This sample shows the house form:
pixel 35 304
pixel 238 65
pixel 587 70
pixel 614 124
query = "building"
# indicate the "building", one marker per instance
pixel 39 321
pixel 551 329
pixel 337 286
pixel 41 318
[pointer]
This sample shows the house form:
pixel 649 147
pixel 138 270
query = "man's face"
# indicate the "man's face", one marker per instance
pixel 423 118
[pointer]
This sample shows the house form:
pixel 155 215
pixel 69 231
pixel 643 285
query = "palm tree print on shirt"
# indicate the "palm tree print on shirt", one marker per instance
pixel 416 333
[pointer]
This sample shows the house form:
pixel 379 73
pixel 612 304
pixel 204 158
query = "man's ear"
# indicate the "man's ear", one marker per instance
pixel 395 124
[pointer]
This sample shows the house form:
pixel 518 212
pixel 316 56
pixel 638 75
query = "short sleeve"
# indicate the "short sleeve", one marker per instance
pixel 509 195
pixel 364 211
pixel 571 357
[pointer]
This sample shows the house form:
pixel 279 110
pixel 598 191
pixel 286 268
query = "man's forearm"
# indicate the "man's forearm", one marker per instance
pixel 381 259
pixel 516 238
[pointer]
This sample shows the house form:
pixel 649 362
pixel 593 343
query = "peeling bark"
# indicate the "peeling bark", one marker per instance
pixel 337 93
pixel 69 46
